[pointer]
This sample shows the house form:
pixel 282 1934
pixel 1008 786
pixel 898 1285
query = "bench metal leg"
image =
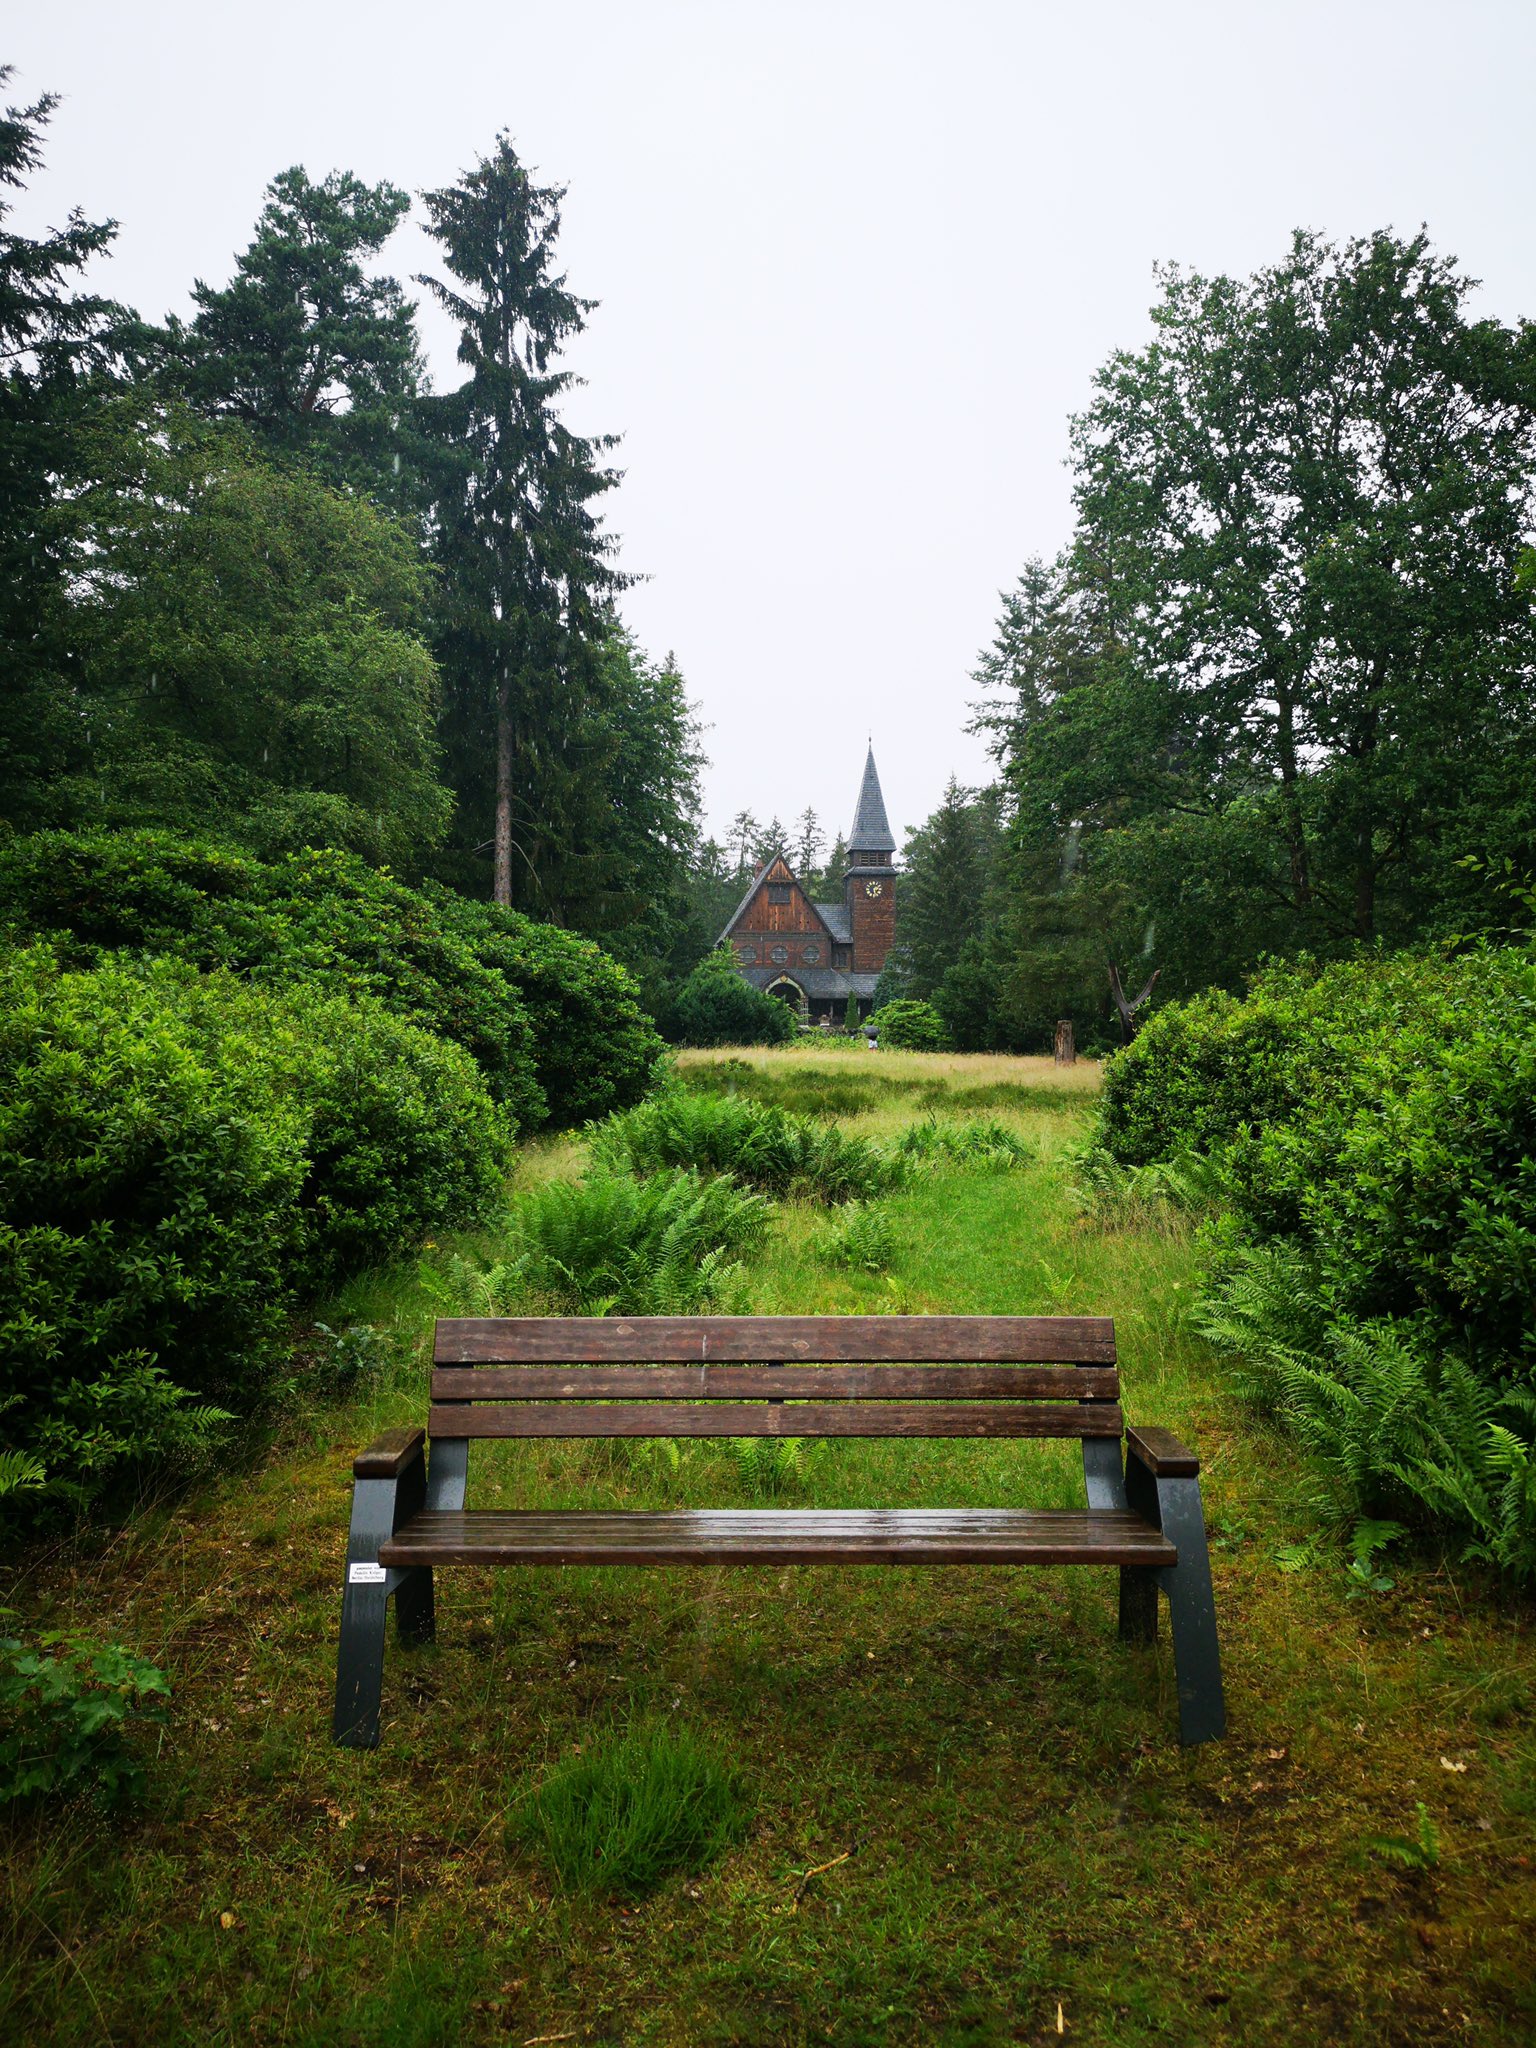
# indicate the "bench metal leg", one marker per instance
pixel 364 1598
pixel 415 1612
pixel 1174 1504
pixel 379 1506
pixel 1138 1604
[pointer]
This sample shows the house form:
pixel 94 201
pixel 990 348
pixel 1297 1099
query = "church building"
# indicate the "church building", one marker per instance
pixel 817 955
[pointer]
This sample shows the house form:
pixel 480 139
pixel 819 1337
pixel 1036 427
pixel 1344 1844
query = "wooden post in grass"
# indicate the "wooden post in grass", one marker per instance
pixel 1066 1048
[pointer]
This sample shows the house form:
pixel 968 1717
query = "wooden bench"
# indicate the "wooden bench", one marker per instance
pixel 793 1376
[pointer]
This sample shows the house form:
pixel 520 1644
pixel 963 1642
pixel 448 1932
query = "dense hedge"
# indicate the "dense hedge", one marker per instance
pixel 910 1026
pixel 717 1006
pixel 182 1159
pixel 1373 1134
pixel 551 1021
pixel 595 1049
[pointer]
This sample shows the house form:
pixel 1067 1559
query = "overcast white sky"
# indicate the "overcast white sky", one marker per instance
pixel 857 263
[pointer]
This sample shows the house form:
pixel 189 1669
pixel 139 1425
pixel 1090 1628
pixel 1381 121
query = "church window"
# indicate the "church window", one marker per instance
pixel 778 955
pixel 810 954
pixel 778 892
pixel 747 955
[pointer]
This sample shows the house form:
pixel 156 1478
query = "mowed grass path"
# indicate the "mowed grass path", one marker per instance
pixel 1017 1849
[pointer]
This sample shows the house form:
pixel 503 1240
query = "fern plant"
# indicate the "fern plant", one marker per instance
pixel 614 1245
pixel 974 1141
pixel 863 1239
pixel 762 1145
pixel 1417 1852
pixel 1389 1422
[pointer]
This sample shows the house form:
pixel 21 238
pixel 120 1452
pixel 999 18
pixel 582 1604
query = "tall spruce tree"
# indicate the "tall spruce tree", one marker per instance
pixel 526 565
pixel 58 349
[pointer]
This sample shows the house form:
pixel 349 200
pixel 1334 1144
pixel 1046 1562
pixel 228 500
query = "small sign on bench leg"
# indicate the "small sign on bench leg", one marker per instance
pixel 388 1484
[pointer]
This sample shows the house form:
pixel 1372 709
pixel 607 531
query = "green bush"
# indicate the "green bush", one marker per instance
pixel 68 1712
pixel 595 1049
pixel 911 1026
pixel 761 1144
pixel 551 1021
pixel 401 1138
pixel 181 1158
pixel 716 1005
pixel 1370 1133
pixel 634 1809
pixel 322 919
pixel 613 1245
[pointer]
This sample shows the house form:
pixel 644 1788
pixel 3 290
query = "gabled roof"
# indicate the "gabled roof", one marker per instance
pixel 773 861
pixel 837 921
pixel 871 829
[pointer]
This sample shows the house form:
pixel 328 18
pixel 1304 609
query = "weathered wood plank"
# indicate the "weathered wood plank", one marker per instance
pixel 389 1454
pixel 775 1382
pixel 784 1537
pixel 905 1340
pixel 805 1418
pixel 1165 1455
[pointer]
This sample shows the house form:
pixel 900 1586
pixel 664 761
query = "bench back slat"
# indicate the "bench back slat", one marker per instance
pixel 776 1383
pixel 695 1340
pixel 804 1418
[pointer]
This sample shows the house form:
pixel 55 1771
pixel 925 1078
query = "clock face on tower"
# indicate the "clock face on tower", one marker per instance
pixel 873 888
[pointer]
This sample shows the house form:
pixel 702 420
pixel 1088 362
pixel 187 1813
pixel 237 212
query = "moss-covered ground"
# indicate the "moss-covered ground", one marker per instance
pixel 1011 1846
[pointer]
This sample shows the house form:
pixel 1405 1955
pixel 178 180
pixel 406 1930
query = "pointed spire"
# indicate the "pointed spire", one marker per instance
pixel 871 830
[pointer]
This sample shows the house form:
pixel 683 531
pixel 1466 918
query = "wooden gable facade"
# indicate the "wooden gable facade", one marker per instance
pixel 779 926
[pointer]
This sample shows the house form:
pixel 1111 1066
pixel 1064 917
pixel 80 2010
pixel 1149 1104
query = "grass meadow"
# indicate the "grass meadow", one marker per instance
pixel 948 1806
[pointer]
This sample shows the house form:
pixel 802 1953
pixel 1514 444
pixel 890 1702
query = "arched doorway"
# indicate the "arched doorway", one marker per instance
pixel 787 991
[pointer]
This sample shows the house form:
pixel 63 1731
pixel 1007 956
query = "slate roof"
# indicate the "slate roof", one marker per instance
pixel 836 918
pixel 816 981
pixel 871 828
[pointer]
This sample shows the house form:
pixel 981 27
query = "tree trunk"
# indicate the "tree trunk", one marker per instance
pixel 501 884
pixel 1295 830
pixel 1066 1049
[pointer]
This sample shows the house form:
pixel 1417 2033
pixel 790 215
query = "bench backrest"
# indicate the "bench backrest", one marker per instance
pixel 919 1376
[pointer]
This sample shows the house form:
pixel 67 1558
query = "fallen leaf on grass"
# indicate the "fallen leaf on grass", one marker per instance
pixel 1447 1765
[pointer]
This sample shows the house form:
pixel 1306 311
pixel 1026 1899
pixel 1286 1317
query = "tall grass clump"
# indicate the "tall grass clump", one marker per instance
pixel 767 1147
pixel 612 1244
pixel 636 1808
pixel 973 1141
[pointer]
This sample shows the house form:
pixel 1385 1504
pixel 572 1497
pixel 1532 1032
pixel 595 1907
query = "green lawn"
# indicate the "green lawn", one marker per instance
pixel 1016 1849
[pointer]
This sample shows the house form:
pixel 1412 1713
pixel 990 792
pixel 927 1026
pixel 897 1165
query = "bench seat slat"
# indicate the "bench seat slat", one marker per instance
pixel 782 1537
pixel 804 1418
pixel 765 1382
pixel 663 1340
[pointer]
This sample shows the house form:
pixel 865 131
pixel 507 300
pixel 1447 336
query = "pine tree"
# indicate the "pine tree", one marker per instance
pixel 829 883
pixel 772 840
pixel 942 899
pixel 58 346
pixel 526 563
pixel 744 836
pixel 303 347
pixel 808 844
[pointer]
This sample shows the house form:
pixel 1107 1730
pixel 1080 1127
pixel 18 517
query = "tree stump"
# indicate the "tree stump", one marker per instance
pixel 1066 1048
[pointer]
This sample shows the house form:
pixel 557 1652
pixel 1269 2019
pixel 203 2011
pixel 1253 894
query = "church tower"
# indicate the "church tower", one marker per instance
pixel 869 886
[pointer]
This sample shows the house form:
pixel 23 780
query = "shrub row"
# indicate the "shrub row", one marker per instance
pixel 551 1021
pixel 183 1159
pixel 1372 1130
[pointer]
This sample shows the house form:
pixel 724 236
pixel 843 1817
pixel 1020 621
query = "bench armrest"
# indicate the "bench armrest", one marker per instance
pixel 1163 1454
pixel 389 1454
